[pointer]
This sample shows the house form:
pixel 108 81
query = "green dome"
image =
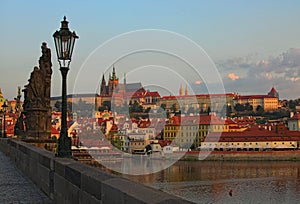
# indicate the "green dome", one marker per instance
pixel 2 100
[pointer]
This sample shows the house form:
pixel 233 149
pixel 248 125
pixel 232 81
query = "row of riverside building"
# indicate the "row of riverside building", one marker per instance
pixel 214 133
pixel 207 131
pixel 118 94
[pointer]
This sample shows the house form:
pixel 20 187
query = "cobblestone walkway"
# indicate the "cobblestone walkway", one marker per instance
pixel 15 187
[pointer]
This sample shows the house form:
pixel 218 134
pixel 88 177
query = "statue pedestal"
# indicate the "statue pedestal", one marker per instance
pixel 38 121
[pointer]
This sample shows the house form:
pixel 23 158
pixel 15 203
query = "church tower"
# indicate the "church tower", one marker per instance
pixel 273 93
pixel 181 92
pixel 103 87
pixel 186 90
pixel 113 82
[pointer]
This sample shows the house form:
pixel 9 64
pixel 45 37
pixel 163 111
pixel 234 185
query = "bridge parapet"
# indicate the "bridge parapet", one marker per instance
pixel 69 181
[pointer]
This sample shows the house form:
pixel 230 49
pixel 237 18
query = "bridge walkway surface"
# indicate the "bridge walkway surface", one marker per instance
pixel 15 187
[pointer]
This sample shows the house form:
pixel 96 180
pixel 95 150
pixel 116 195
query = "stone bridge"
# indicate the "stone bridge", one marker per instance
pixel 68 181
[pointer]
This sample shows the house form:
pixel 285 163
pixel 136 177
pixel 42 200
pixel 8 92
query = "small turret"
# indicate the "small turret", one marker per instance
pixel 186 90
pixel 181 91
pixel 103 86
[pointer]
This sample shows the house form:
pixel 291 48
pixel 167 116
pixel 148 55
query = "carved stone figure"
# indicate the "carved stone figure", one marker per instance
pixel 36 113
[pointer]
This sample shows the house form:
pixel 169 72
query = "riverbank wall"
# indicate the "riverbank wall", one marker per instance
pixel 288 155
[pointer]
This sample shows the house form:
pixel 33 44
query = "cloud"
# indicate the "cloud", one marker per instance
pixel 268 76
pixel 198 82
pixel 232 76
pixel 259 75
pixel 293 79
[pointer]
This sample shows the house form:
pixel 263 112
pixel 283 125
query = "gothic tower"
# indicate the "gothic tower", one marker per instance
pixel 103 87
pixel 186 90
pixel 181 92
pixel 113 82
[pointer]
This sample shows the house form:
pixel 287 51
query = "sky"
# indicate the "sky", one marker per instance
pixel 248 46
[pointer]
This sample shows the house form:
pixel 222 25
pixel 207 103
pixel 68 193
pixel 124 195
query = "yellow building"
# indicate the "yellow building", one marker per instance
pixel 137 143
pixel 268 103
pixel 198 102
pixel 256 138
pixel 187 131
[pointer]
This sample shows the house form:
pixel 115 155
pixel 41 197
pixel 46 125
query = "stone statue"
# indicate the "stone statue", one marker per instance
pixel 36 113
pixel 19 128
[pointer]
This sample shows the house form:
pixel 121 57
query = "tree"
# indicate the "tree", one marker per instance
pixel 106 105
pixel 148 110
pixel 239 107
pixel 292 104
pixel 136 108
pixel 201 111
pixel 57 105
pixel 259 109
pixel 208 110
pixel 191 110
pixel 173 108
pixel 117 142
pixel 248 107
pixel 101 108
pixel 163 106
pixel 228 110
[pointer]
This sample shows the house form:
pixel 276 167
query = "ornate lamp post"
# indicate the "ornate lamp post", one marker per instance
pixel 4 107
pixel 64 41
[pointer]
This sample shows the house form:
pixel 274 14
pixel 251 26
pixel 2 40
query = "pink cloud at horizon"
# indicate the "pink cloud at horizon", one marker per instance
pixel 198 82
pixel 233 76
pixel 293 79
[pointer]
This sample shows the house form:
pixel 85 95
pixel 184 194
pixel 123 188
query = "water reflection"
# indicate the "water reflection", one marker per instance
pixel 210 182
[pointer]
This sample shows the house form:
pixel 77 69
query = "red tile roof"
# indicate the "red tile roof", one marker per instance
pixel 152 94
pixel 273 90
pixel 200 95
pixel 54 131
pixel 254 97
pixel 195 120
pixel 255 133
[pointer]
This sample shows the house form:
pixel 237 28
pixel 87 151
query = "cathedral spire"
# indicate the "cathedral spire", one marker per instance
pixel 181 92
pixel 186 90
pixel 103 86
pixel 114 76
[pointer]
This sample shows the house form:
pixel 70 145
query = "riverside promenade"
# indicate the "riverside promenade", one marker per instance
pixel 15 187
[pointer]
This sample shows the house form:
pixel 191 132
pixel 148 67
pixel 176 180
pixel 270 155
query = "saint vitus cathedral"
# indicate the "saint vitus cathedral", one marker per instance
pixel 113 92
pixel 116 92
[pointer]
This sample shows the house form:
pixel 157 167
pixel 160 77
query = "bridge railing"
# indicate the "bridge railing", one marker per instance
pixel 69 181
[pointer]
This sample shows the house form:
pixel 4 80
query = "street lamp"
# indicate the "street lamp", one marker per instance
pixel 64 41
pixel 4 107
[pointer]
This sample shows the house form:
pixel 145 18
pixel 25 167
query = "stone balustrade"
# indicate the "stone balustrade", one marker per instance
pixel 68 181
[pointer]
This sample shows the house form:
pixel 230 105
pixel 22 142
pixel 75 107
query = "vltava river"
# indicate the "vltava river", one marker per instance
pixel 210 182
